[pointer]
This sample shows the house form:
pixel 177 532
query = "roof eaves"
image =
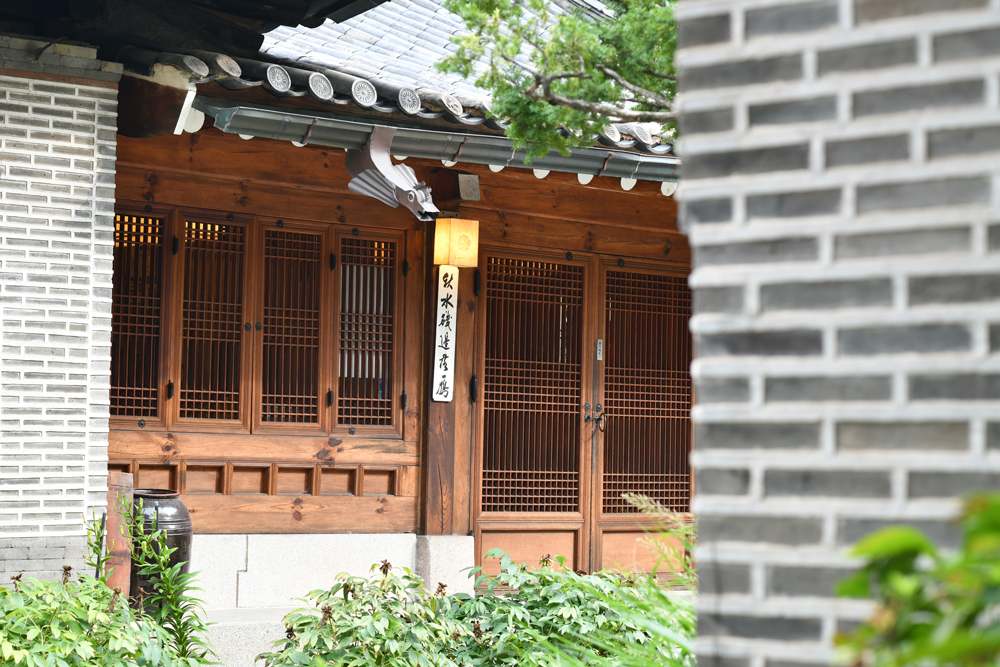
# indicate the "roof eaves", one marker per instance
pixel 431 144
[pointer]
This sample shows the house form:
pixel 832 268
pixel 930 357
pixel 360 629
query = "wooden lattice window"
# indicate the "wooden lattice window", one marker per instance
pixel 212 329
pixel 647 390
pixel 531 388
pixel 367 332
pixel 290 391
pixel 135 315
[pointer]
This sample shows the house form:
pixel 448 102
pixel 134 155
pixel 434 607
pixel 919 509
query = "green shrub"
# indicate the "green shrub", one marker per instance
pixel 523 617
pixel 932 608
pixel 171 603
pixel 83 622
pixel 79 622
pixel 555 616
pixel 378 623
pixel 76 622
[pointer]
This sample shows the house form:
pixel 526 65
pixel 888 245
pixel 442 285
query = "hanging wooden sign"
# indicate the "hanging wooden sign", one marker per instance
pixel 443 371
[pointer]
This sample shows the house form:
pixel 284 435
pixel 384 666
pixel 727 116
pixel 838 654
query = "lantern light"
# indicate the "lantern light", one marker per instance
pixel 456 242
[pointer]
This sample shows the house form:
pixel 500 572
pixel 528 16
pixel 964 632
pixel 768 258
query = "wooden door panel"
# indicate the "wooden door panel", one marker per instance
pixel 136 319
pixel 563 338
pixel 532 386
pixel 528 547
pixel 289 359
pixel 534 362
pixel 647 391
pixel 216 346
pixel 640 552
pixel 369 366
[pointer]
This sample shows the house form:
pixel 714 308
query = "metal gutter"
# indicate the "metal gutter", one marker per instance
pixel 432 144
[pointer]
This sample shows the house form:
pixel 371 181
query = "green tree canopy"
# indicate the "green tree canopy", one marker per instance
pixel 558 73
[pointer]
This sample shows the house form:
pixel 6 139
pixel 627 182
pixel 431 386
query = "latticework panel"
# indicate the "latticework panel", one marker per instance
pixel 367 332
pixel 135 315
pixel 289 392
pixel 647 391
pixel 531 386
pixel 213 321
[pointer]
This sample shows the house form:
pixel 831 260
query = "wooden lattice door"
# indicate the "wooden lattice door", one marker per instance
pixel 533 493
pixel 644 387
pixel 586 398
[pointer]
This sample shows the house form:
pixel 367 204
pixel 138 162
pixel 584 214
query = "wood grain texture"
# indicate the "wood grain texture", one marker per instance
pixel 509 229
pixel 439 448
pixel 566 201
pixel 302 514
pixel 528 548
pixel 167 447
pixel 147 109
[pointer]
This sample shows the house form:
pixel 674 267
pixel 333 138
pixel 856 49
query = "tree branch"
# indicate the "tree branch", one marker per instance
pixel 599 108
pixel 660 100
pixel 659 76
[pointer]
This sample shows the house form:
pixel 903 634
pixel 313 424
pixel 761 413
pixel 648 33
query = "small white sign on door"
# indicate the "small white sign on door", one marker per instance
pixel 443 371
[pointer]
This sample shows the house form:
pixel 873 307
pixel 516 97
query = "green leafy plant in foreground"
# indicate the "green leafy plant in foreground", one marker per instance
pixel 544 616
pixel 76 622
pixel 170 603
pixel 932 608
pixel 381 622
pixel 81 621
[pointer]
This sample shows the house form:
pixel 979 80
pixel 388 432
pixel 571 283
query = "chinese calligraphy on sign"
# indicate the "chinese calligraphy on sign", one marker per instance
pixel 443 386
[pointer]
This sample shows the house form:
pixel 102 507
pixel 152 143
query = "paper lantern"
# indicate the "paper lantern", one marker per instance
pixel 456 242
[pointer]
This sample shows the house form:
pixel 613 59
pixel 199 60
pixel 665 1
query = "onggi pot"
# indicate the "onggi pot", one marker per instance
pixel 171 516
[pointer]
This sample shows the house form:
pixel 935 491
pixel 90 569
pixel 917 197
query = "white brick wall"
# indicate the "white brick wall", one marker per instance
pixel 56 242
pixel 820 317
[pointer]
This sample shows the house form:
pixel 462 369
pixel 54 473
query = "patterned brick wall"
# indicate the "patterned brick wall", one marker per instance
pixel 842 193
pixel 57 179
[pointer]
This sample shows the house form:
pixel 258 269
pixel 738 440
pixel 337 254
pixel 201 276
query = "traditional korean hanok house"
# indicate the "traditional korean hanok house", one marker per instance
pixel 309 341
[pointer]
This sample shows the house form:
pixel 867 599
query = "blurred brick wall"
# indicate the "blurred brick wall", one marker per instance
pixel 841 188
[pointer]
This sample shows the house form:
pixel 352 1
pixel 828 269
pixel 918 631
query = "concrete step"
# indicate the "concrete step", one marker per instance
pixel 238 636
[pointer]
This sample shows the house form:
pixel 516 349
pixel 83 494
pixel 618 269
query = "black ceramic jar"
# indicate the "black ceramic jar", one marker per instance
pixel 167 510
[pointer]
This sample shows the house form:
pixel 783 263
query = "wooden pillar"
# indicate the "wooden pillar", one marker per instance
pixel 449 426
pixel 118 547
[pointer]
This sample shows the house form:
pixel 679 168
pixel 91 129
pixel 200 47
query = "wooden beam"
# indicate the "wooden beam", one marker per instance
pixel 216 513
pixel 176 446
pixel 507 228
pixel 147 109
pixel 155 186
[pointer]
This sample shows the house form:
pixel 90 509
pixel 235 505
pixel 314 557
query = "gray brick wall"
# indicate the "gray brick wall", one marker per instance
pixel 57 180
pixel 841 191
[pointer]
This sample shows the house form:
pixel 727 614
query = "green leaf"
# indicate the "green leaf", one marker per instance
pixel 855 586
pixel 894 541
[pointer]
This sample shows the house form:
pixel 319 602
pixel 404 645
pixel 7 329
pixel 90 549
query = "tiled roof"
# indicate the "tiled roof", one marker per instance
pixel 399 42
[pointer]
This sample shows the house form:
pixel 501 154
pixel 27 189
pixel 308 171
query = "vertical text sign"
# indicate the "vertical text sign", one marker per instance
pixel 443 370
